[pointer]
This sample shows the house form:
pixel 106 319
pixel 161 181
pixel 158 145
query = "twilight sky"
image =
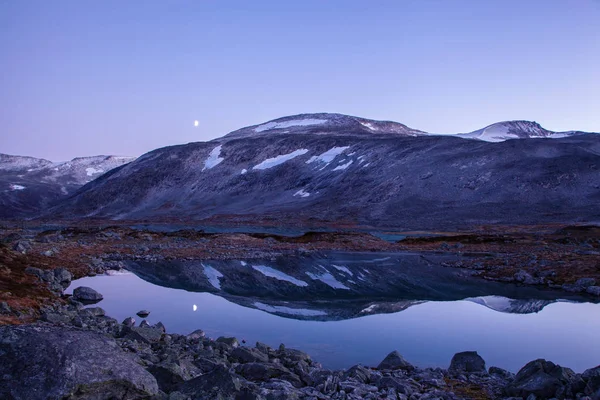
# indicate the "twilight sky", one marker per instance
pixel 83 78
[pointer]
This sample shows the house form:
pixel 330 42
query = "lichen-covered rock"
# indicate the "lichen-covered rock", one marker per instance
pixel 54 362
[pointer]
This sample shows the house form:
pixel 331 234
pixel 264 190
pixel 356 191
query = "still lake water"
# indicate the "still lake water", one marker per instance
pixel 426 334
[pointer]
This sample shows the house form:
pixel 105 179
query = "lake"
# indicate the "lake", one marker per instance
pixel 355 326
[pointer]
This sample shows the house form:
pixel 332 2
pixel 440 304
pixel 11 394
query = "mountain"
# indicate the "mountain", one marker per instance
pixel 319 170
pixel 507 130
pixel 29 184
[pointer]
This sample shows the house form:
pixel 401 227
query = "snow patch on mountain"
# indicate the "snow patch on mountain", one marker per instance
pixel 273 273
pixel 287 310
pixel 244 171
pixel 328 156
pixel 213 158
pixel 287 124
pixel 302 193
pixel 275 161
pixel 16 187
pixel 213 276
pixel 370 126
pixel 91 171
pixel 343 166
pixel 343 269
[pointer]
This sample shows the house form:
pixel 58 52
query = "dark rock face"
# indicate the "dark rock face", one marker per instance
pixel 52 362
pixel 86 294
pixel 592 377
pixel 395 361
pixel 217 384
pixel 545 379
pixel 467 362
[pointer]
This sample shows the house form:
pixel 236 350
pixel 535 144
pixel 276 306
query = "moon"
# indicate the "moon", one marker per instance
pixel 195 307
pixel 196 123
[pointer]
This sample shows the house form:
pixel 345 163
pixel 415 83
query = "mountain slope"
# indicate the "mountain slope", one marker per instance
pixel 507 130
pixel 307 172
pixel 30 184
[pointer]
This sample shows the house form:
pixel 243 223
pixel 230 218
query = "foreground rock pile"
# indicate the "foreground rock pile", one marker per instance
pixel 80 353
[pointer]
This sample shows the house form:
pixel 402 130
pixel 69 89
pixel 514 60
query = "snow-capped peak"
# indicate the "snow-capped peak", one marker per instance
pixel 506 130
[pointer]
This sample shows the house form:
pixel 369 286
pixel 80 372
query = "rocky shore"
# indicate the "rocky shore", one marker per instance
pixel 78 352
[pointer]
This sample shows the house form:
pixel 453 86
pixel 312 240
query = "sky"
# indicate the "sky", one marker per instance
pixel 80 78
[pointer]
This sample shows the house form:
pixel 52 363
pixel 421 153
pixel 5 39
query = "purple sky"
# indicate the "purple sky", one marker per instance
pixel 124 77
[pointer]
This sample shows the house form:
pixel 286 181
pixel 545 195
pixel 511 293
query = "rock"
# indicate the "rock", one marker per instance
pixel 144 334
pixel 92 312
pixel 161 326
pixel 593 290
pixel 467 362
pixel 63 277
pixel 144 324
pixel 85 294
pixel 170 374
pixel 230 341
pixel 358 373
pixel 580 285
pixel 56 318
pixel 35 271
pixel 4 308
pixel 22 246
pixel 502 373
pixel 53 362
pixel 129 322
pixel 400 387
pixel 262 372
pixel 217 384
pixel 263 348
pixel 592 378
pixel 197 334
pixel 546 380
pixel 246 355
pixel 395 361
pixel 143 313
pixel 526 278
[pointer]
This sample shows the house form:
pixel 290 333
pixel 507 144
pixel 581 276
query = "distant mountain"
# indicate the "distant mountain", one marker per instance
pixel 322 169
pixel 28 185
pixel 507 130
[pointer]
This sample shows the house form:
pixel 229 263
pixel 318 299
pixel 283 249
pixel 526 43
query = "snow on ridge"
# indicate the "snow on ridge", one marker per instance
pixel 273 273
pixel 329 155
pixel 343 166
pixel 213 158
pixel 288 310
pixel 213 276
pixel 91 171
pixel 287 124
pixel 371 308
pixel 16 187
pixel 328 279
pixel 275 161
pixel 244 171
pixel 302 193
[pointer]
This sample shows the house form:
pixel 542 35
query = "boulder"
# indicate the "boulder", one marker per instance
pixel 262 372
pixel 501 373
pixel 545 379
pixel 170 374
pixel 395 361
pixel 593 290
pixel 22 246
pixel 85 294
pixel 144 334
pixel 197 334
pixel 467 362
pixel 220 383
pixel 592 380
pixel 54 362
pixel 63 277
pixel 246 355
pixel 129 322
pixel 5 308
pixel 143 313
pixel 358 373
pixel 230 341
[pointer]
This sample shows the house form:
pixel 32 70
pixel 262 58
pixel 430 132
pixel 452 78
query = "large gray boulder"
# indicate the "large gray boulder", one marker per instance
pixel 395 361
pixel 545 379
pixel 467 362
pixel 53 362
pixel 86 294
